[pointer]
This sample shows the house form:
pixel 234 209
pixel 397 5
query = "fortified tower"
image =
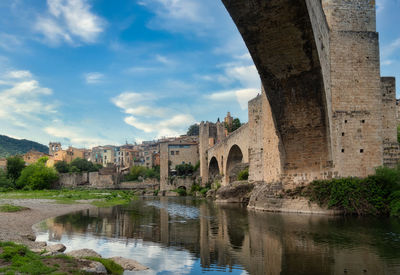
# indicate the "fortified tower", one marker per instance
pixel 209 134
pixel 54 147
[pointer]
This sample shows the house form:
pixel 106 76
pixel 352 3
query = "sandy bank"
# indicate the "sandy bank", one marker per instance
pixel 17 226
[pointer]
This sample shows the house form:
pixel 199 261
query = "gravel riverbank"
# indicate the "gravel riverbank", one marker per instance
pixel 17 226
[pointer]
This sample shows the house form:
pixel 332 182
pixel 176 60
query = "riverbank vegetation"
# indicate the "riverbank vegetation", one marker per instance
pixel 99 198
pixel 377 194
pixel 76 166
pixel 9 208
pixel 18 259
pixel 140 172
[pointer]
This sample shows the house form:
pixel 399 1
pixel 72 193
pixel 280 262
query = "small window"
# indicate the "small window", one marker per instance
pixel 172 152
pixel 361 150
pixel 177 153
pixel 363 121
pixel 183 162
pixel 342 150
pixel 345 121
pixel 343 134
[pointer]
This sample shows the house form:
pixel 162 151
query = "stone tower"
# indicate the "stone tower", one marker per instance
pixel 209 134
pixel 54 147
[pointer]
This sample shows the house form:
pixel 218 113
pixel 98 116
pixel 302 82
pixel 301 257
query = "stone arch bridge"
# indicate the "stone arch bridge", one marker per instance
pixel 324 111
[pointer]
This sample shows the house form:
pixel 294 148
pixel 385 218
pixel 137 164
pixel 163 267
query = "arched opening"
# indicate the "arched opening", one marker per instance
pixel 213 169
pixel 234 164
pixel 280 38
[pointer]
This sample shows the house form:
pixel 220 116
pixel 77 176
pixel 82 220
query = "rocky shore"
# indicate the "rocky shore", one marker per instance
pixel 17 227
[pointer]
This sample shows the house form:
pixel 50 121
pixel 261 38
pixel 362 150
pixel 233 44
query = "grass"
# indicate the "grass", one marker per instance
pixel 11 208
pixel 111 266
pixel 18 259
pixel 100 198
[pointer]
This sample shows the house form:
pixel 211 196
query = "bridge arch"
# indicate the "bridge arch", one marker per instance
pixel 282 36
pixel 213 169
pixel 233 163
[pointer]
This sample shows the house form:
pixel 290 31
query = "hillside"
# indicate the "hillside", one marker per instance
pixel 11 146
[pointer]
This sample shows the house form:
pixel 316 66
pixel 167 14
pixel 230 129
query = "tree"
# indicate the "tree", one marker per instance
pixel 61 167
pixel 14 168
pixel 37 177
pixel 184 169
pixel 4 181
pixel 236 124
pixel 193 130
pixel 83 165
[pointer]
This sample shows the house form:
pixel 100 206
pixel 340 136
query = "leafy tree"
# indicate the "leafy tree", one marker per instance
pixel 236 124
pixel 83 165
pixel 243 175
pixel 184 169
pixel 144 172
pixel 14 168
pixel 37 177
pixel 5 182
pixel 62 167
pixel 193 130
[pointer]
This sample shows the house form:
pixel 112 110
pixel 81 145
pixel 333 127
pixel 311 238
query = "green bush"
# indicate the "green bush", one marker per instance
pixel 144 172
pixel 184 169
pixel 244 174
pixel 15 165
pixel 197 166
pixel 62 167
pixel 181 191
pixel 5 182
pixel 37 177
pixel 375 195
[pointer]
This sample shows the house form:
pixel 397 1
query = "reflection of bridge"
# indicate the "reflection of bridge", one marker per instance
pixel 324 111
pixel 229 235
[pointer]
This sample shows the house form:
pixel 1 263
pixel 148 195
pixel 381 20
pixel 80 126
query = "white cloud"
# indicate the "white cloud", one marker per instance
pixel 391 48
pixel 69 21
pixel 74 135
pixel 18 74
pixel 146 115
pixel 242 96
pixel 93 78
pixel 9 42
pixel 181 15
pixel 23 99
pixel 164 60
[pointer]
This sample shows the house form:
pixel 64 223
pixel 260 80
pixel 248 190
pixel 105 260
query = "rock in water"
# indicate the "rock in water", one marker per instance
pixel 82 253
pixel 128 264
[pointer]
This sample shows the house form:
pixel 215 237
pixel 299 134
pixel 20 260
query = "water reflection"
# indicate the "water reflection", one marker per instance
pixel 182 236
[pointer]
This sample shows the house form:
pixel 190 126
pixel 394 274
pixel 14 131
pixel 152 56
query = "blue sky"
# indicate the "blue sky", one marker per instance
pixel 90 72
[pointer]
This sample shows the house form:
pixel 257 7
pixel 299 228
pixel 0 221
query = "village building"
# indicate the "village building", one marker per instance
pixel 33 156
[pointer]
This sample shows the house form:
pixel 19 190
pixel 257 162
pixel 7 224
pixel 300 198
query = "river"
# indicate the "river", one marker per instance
pixel 192 236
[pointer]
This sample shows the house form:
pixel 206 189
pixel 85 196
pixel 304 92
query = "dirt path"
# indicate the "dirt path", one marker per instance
pixel 17 227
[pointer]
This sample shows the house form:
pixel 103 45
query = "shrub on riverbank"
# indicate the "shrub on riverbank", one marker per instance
pixel 77 165
pixel 37 176
pixel 137 172
pixel 377 194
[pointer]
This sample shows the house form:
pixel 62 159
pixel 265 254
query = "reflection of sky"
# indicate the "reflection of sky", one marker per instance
pixel 177 210
pixel 160 260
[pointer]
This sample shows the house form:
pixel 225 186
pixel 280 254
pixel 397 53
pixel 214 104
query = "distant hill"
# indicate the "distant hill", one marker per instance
pixel 11 146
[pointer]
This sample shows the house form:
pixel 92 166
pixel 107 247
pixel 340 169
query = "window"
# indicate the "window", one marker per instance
pixel 183 162
pixel 148 158
pixel 177 153
pixel 172 152
pixel 361 150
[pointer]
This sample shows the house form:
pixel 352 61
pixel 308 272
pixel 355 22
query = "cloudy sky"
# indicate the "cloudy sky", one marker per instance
pixel 89 72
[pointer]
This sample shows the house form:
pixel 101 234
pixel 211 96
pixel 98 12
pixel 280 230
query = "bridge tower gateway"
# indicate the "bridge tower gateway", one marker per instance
pixel 324 110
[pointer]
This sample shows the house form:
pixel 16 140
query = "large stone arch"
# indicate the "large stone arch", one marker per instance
pixel 280 37
pixel 234 159
pixel 213 169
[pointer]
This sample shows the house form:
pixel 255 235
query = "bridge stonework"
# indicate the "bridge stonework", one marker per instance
pixel 324 111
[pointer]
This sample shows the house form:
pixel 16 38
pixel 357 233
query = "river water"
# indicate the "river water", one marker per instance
pixel 189 236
